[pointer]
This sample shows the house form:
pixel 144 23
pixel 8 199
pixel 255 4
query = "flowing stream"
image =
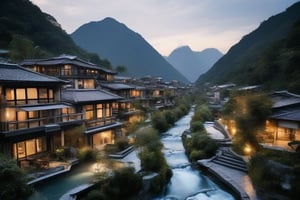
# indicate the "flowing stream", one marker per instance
pixel 186 182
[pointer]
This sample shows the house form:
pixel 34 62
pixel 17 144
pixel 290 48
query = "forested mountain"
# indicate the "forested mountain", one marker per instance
pixel 268 56
pixel 193 63
pixel 124 47
pixel 27 32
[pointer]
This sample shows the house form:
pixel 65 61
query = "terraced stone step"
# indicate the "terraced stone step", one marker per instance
pixel 231 162
pixel 243 169
pixel 230 154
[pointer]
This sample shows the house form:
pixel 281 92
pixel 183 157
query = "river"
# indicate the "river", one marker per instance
pixel 187 182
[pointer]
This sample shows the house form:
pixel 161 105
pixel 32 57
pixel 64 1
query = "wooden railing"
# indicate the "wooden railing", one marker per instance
pixel 32 123
pixel 100 122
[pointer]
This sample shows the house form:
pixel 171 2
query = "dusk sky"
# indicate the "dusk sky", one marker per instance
pixel 168 24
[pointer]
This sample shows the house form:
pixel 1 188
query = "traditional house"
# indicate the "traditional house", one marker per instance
pixel 101 125
pixel 128 109
pixel 80 73
pixel 33 118
pixel 283 125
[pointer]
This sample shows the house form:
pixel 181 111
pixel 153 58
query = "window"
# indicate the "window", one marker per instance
pixel 108 110
pixel 66 70
pixel 51 95
pixel 43 94
pixel 89 113
pixel 99 111
pixel 21 95
pixel 33 117
pixel 10 94
pixel 29 147
pixel 28 95
pixel 89 84
pixel 32 95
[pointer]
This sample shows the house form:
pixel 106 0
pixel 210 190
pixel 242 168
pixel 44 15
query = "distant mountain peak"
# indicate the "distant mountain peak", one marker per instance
pixel 114 41
pixel 193 63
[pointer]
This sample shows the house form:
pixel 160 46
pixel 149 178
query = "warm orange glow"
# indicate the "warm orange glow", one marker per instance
pixel 233 131
pixel 247 149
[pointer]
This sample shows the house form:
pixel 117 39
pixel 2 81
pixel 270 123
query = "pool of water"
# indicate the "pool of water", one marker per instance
pixel 53 188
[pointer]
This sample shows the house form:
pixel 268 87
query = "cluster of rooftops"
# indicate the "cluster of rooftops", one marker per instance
pixel 43 99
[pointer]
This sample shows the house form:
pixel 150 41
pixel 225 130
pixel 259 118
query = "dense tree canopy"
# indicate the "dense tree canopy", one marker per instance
pixel 13 182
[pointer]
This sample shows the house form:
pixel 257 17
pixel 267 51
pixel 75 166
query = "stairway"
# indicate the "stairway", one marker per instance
pixel 228 159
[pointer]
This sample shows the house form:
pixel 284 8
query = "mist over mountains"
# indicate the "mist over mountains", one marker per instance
pixel 123 47
pixel 193 63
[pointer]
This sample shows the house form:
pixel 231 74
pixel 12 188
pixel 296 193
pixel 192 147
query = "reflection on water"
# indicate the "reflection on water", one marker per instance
pixel 186 182
pixel 55 187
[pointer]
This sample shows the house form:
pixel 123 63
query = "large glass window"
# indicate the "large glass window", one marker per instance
pixel 28 95
pixel 29 147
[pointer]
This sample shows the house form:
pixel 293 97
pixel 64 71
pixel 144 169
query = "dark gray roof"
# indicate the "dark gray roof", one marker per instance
pixel 117 86
pixel 290 115
pixel 16 73
pixel 88 95
pixel 284 98
pixel 65 59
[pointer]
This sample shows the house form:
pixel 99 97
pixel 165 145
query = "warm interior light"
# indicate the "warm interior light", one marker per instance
pixel 247 149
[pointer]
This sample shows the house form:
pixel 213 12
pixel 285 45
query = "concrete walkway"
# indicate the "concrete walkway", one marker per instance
pixel 132 159
pixel 237 180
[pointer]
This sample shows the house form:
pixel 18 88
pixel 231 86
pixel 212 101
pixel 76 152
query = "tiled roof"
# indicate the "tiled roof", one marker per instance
pixel 65 59
pixel 116 86
pixel 16 73
pixel 88 95
pixel 290 115
pixel 284 98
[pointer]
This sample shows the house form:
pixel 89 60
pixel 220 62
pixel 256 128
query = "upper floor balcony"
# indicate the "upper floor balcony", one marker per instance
pixel 17 118
pixel 100 122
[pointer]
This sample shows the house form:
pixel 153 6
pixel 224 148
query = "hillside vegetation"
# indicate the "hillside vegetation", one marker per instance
pixel 27 32
pixel 268 56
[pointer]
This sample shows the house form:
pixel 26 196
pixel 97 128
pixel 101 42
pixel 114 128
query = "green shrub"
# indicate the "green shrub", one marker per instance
pixel 200 146
pixel 151 160
pixel 87 154
pixel 170 117
pixel 124 183
pixel 197 126
pixel 148 137
pixel 159 122
pixel 111 148
pixel 197 155
pixel 13 183
pixel 261 175
pixel 62 153
pixel 122 143
pixel 202 113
